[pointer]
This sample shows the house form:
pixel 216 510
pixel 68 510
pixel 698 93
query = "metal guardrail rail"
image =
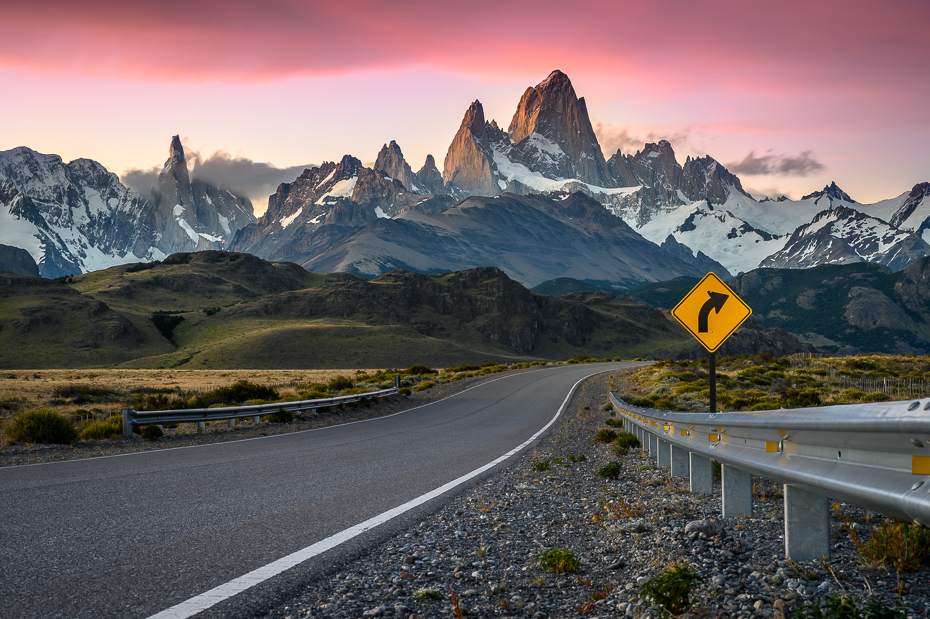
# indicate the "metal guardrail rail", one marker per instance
pixel 132 418
pixel 875 456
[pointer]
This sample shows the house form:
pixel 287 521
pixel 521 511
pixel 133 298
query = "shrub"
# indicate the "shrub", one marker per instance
pixel 165 322
pixel 611 470
pixel 404 391
pixel 101 429
pixel 605 435
pixel 876 397
pixel 426 384
pixel 540 465
pixel 627 440
pixel 559 561
pixel 428 593
pixel 279 417
pixel 237 393
pixel 85 394
pixel 340 382
pixel 902 545
pixel 41 426
pixel 415 370
pixel 845 607
pixel 580 458
pixel 614 423
pixel 671 590
pixel 150 432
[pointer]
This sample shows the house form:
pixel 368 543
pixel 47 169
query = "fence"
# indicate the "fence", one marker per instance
pixel 895 388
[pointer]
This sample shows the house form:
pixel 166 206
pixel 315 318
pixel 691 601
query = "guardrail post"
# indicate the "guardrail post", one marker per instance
pixel 256 419
pixel 680 466
pixel 807 525
pixel 202 426
pixel 127 423
pixel 397 381
pixel 653 446
pixel 665 454
pixel 702 474
pixel 736 492
pixel 231 423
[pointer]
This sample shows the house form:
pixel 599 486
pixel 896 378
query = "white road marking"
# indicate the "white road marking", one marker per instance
pixel 216 595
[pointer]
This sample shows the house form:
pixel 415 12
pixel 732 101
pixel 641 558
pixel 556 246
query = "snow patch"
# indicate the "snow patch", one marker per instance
pixel 381 214
pixel 286 221
pixel 342 189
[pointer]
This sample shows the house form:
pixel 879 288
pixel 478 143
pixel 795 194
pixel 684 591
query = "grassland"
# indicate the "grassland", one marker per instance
pixel 747 382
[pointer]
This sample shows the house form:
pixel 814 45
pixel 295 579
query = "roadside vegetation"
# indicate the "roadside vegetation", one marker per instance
pixel 761 382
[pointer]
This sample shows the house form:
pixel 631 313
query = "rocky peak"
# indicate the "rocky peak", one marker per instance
pixel 831 192
pixel 705 178
pixel 469 165
pixel 429 178
pixel 176 165
pixel 391 161
pixel 553 133
pixel 914 199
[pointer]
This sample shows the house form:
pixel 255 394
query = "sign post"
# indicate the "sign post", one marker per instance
pixel 711 312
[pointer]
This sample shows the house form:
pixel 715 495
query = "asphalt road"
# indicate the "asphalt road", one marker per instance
pixel 133 535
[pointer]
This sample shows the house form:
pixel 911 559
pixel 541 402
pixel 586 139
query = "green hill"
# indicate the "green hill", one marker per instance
pixel 228 310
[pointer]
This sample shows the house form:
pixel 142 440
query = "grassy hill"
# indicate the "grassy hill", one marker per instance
pixel 228 310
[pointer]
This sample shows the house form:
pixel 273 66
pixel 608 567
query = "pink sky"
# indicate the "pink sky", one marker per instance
pixel 298 82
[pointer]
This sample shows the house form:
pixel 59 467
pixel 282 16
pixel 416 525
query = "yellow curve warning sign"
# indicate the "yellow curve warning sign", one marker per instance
pixel 711 312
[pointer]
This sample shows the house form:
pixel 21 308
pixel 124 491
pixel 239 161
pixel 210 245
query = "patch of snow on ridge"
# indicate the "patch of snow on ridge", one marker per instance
pixel 178 209
pixel 523 175
pixel 381 214
pixel 342 189
pixel 21 233
pixel 187 228
pixel 225 223
pixel 317 219
pixel 325 180
pixel 286 221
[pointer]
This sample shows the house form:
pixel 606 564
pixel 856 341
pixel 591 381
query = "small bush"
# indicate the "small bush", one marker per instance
pixel 85 394
pixel 540 465
pixel 605 435
pixel 671 590
pixel 44 427
pixel 559 561
pixel 150 432
pixel 627 440
pixel 340 382
pixel 237 393
pixel 416 370
pixel 426 384
pixel 279 417
pixel 904 546
pixel 404 391
pixel 845 607
pixel 102 429
pixel 579 458
pixel 428 593
pixel 165 322
pixel 611 470
pixel 876 397
pixel 614 423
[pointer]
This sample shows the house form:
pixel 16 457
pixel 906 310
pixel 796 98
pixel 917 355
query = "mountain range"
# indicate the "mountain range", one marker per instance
pixel 540 200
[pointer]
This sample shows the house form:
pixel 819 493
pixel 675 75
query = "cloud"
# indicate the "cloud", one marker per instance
pixel 802 164
pixel 239 175
pixel 613 138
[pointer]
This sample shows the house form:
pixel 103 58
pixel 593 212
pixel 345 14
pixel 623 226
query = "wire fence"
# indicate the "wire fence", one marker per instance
pixel 895 388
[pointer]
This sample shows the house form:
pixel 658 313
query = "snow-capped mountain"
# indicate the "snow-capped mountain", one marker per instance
pixel 842 235
pixel 78 217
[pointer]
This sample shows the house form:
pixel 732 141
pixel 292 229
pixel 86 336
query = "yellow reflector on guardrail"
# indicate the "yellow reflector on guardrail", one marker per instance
pixel 771 446
pixel 920 465
pixel 684 432
pixel 714 438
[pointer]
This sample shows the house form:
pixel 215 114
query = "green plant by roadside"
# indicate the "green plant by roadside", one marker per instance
pixel 279 417
pixel 101 429
pixel 846 607
pixel 624 442
pixel 605 435
pixel 404 391
pixel 559 561
pixel 611 470
pixel 41 426
pixel 426 384
pixel 428 593
pixel 149 432
pixel 540 465
pixel 904 546
pixel 614 423
pixel 671 590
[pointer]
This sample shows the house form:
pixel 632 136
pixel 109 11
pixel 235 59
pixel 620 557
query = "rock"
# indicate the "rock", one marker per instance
pixel 791 596
pixel 708 528
pixel 469 164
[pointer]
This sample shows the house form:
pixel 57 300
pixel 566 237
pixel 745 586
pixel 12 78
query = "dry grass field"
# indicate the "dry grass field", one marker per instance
pixel 33 389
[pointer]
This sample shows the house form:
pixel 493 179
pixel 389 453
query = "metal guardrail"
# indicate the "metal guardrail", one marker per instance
pixel 875 456
pixel 132 418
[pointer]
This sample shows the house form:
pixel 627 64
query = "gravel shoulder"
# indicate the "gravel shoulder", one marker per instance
pixel 483 545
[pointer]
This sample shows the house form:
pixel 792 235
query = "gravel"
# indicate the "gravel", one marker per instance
pixel 483 546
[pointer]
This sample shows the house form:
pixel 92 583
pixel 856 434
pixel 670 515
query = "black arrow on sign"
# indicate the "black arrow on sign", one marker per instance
pixel 716 301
